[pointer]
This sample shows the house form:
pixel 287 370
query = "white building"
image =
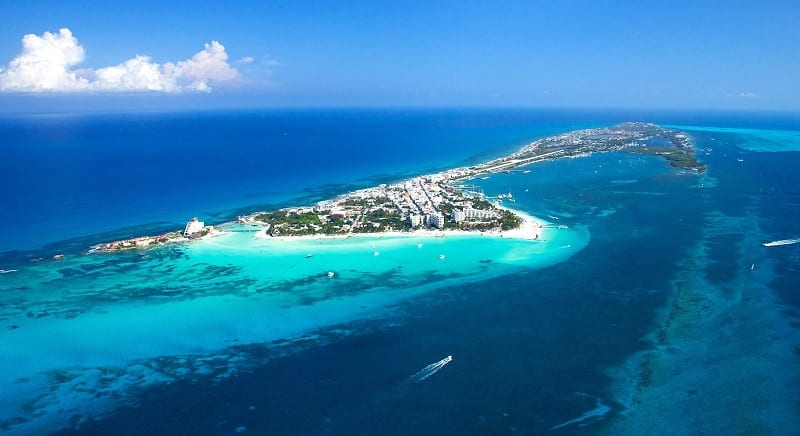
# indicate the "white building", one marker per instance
pixel 459 215
pixel 436 219
pixel 479 214
pixel 415 220
pixel 193 227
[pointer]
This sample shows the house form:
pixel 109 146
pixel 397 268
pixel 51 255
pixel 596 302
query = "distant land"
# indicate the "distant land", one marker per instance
pixel 445 201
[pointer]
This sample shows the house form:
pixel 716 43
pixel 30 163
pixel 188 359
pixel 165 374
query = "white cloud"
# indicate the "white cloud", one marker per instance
pixel 48 63
pixel 271 63
pixel 209 64
pixel 742 94
pixel 137 74
pixel 246 60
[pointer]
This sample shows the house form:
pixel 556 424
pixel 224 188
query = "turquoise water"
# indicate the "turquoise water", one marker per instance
pixel 96 312
pixel 655 291
pixel 759 140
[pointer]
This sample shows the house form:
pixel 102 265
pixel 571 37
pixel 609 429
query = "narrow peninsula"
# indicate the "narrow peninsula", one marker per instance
pixel 445 201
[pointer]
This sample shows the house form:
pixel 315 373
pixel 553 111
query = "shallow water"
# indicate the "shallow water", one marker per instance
pixel 109 313
pixel 658 291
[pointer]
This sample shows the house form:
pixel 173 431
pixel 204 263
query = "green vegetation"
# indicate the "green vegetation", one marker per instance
pixel 479 203
pixel 509 220
pixel 451 225
pixel 677 157
pixel 289 218
pixel 385 220
pixel 334 225
pixel 287 223
pixel 366 202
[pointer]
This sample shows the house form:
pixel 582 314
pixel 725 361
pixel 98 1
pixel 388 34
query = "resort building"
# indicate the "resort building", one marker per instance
pixel 415 220
pixel 471 213
pixel 193 227
pixel 436 219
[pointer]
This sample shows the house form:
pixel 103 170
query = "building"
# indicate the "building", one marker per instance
pixel 436 219
pixel 415 220
pixel 193 227
pixel 459 215
pixel 471 213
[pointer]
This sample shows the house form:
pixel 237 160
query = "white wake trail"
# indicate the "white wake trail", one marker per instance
pixel 430 370
pixel 781 242
pixel 598 412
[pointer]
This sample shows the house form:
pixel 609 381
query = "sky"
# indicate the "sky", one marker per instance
pixel 147 55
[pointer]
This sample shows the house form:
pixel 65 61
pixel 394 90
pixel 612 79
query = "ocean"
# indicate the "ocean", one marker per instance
pixel 649 305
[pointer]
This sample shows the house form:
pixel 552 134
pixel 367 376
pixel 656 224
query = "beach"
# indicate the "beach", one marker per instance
pixel 615 309
pixel 531 228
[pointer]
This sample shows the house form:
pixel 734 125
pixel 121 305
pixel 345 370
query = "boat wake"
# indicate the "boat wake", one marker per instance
pixel 6 271
pixel 430 370
pixel 781 242
pixel 598 412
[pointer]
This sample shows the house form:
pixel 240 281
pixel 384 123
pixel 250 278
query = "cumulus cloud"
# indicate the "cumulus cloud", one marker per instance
pixel 48 63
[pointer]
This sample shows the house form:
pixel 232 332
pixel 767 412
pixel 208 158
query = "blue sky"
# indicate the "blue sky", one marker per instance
pixel 692 54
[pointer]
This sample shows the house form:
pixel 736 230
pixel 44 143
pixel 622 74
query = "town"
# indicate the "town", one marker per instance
pixel 439 201
pixel 443 201
pixel 422 202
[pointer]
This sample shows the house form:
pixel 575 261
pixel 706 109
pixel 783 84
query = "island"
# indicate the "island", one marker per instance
pixel 444 201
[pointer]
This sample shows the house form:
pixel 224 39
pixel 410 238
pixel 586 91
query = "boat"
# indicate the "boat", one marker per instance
pixel 419 245
pixel 781 242
pixel 376 253
pixel 331 274
pixel 309 255
pixel 441 256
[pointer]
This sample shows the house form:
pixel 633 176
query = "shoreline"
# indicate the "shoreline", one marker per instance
pixel 436 203
pixel 531 228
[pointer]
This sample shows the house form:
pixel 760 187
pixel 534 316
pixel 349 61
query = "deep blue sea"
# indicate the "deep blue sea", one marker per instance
pixel 654 309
